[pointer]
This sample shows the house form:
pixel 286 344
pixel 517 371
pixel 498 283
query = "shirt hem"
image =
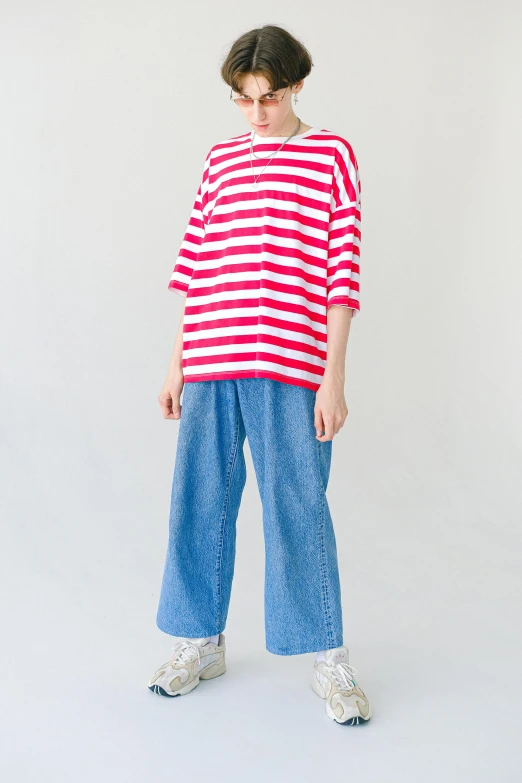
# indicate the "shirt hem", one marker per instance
pixel 344 301
pixel 230 375
pixel 178 288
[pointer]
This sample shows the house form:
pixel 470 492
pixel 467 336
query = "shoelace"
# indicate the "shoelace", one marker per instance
pixel 343 674
pixel 186 651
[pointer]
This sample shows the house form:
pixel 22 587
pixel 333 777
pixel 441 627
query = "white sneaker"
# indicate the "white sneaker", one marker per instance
pixel 191 662
pixel 333 681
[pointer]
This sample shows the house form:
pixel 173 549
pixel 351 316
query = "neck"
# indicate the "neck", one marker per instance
pixel 289 127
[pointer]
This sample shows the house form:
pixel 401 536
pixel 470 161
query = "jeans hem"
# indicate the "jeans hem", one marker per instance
pixel 191 633
pixel 304 648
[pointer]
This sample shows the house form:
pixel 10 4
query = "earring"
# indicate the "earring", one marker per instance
pixel 295 97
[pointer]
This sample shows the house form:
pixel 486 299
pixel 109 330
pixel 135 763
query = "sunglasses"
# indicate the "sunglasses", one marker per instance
pixel 274 101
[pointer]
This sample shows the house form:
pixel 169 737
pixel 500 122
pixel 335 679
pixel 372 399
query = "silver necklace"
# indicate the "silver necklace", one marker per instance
pixel 271 156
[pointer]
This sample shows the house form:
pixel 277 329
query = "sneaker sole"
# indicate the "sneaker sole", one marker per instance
pixel 354 721
pixel 207 674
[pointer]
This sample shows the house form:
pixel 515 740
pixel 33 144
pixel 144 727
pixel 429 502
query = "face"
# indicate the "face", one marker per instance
pixel 277 120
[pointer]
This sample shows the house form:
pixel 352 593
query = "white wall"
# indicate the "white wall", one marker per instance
pixel 107 112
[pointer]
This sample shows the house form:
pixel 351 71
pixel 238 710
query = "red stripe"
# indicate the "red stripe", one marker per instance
pixel 298 199
pixel 263 356
pixel 251 266
pixel 261 319
pixel 264 247
pixel 232 304
pixel 267 230
pixel 253 339
pixel 255 285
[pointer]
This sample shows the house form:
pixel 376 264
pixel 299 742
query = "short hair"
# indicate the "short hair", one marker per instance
pixel 270 51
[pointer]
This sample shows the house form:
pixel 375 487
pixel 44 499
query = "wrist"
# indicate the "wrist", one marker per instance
pixel 334 374
pixel 175 368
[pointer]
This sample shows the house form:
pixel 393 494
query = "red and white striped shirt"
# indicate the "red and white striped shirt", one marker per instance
pixel 260 267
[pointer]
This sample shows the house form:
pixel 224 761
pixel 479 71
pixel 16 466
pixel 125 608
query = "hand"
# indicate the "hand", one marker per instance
pixel 169 398
pixel 330 409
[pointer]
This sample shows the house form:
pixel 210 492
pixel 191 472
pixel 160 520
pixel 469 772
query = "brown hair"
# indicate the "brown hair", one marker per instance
pixel 270 51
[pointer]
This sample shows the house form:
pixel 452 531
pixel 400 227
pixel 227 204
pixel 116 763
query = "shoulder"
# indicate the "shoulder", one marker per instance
pixel 341 148
pixel 346 184
pixel 229 146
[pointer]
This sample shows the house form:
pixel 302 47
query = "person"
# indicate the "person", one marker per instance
pixel 269 271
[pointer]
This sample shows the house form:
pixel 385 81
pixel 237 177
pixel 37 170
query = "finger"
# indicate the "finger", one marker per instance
pixel 328 429
pixel 318 421
pixel 176 408
pixel 165 405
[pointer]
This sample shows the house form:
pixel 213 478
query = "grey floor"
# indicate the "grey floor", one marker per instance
pixel 428 619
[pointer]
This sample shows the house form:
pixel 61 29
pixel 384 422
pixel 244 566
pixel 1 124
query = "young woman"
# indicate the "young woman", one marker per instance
pixel 269 268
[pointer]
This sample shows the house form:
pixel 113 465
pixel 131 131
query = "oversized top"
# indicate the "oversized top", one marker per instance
pixel 260 266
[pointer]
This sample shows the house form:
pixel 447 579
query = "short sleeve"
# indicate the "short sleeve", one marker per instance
pixel 344 232
pixel 193 238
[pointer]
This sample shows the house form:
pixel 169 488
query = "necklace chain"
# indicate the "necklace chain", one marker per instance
pixel 270 157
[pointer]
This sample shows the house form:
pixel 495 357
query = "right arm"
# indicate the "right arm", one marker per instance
pixel 169 398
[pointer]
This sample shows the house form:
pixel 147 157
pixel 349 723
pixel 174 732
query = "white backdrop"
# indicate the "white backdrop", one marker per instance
pixel 108 109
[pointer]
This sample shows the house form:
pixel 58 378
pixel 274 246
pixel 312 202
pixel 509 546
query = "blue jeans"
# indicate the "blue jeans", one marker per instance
pixel 302 597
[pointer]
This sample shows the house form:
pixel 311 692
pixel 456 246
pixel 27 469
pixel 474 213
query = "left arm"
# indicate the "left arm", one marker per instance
pixel 330 410
pixel 342 289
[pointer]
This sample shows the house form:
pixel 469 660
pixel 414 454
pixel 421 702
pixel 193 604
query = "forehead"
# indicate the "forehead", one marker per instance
pixel 256 86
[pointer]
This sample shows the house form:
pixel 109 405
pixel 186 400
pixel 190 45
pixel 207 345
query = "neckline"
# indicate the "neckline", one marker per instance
pixel 280 139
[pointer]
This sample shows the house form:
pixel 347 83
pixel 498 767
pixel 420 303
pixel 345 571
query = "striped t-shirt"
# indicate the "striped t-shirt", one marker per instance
pixel 260 266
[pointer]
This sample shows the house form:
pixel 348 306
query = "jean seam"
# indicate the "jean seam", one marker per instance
pixel 324 577
pixel 219 561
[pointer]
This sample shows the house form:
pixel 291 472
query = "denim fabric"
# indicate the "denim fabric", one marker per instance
pixel 301 589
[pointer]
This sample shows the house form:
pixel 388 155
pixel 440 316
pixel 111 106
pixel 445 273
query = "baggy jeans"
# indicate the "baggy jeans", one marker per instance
pixel 302 596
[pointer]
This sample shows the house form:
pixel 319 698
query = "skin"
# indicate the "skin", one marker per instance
pixel 330 409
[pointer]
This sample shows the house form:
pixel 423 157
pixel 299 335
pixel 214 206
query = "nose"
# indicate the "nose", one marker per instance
pixel 258 113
